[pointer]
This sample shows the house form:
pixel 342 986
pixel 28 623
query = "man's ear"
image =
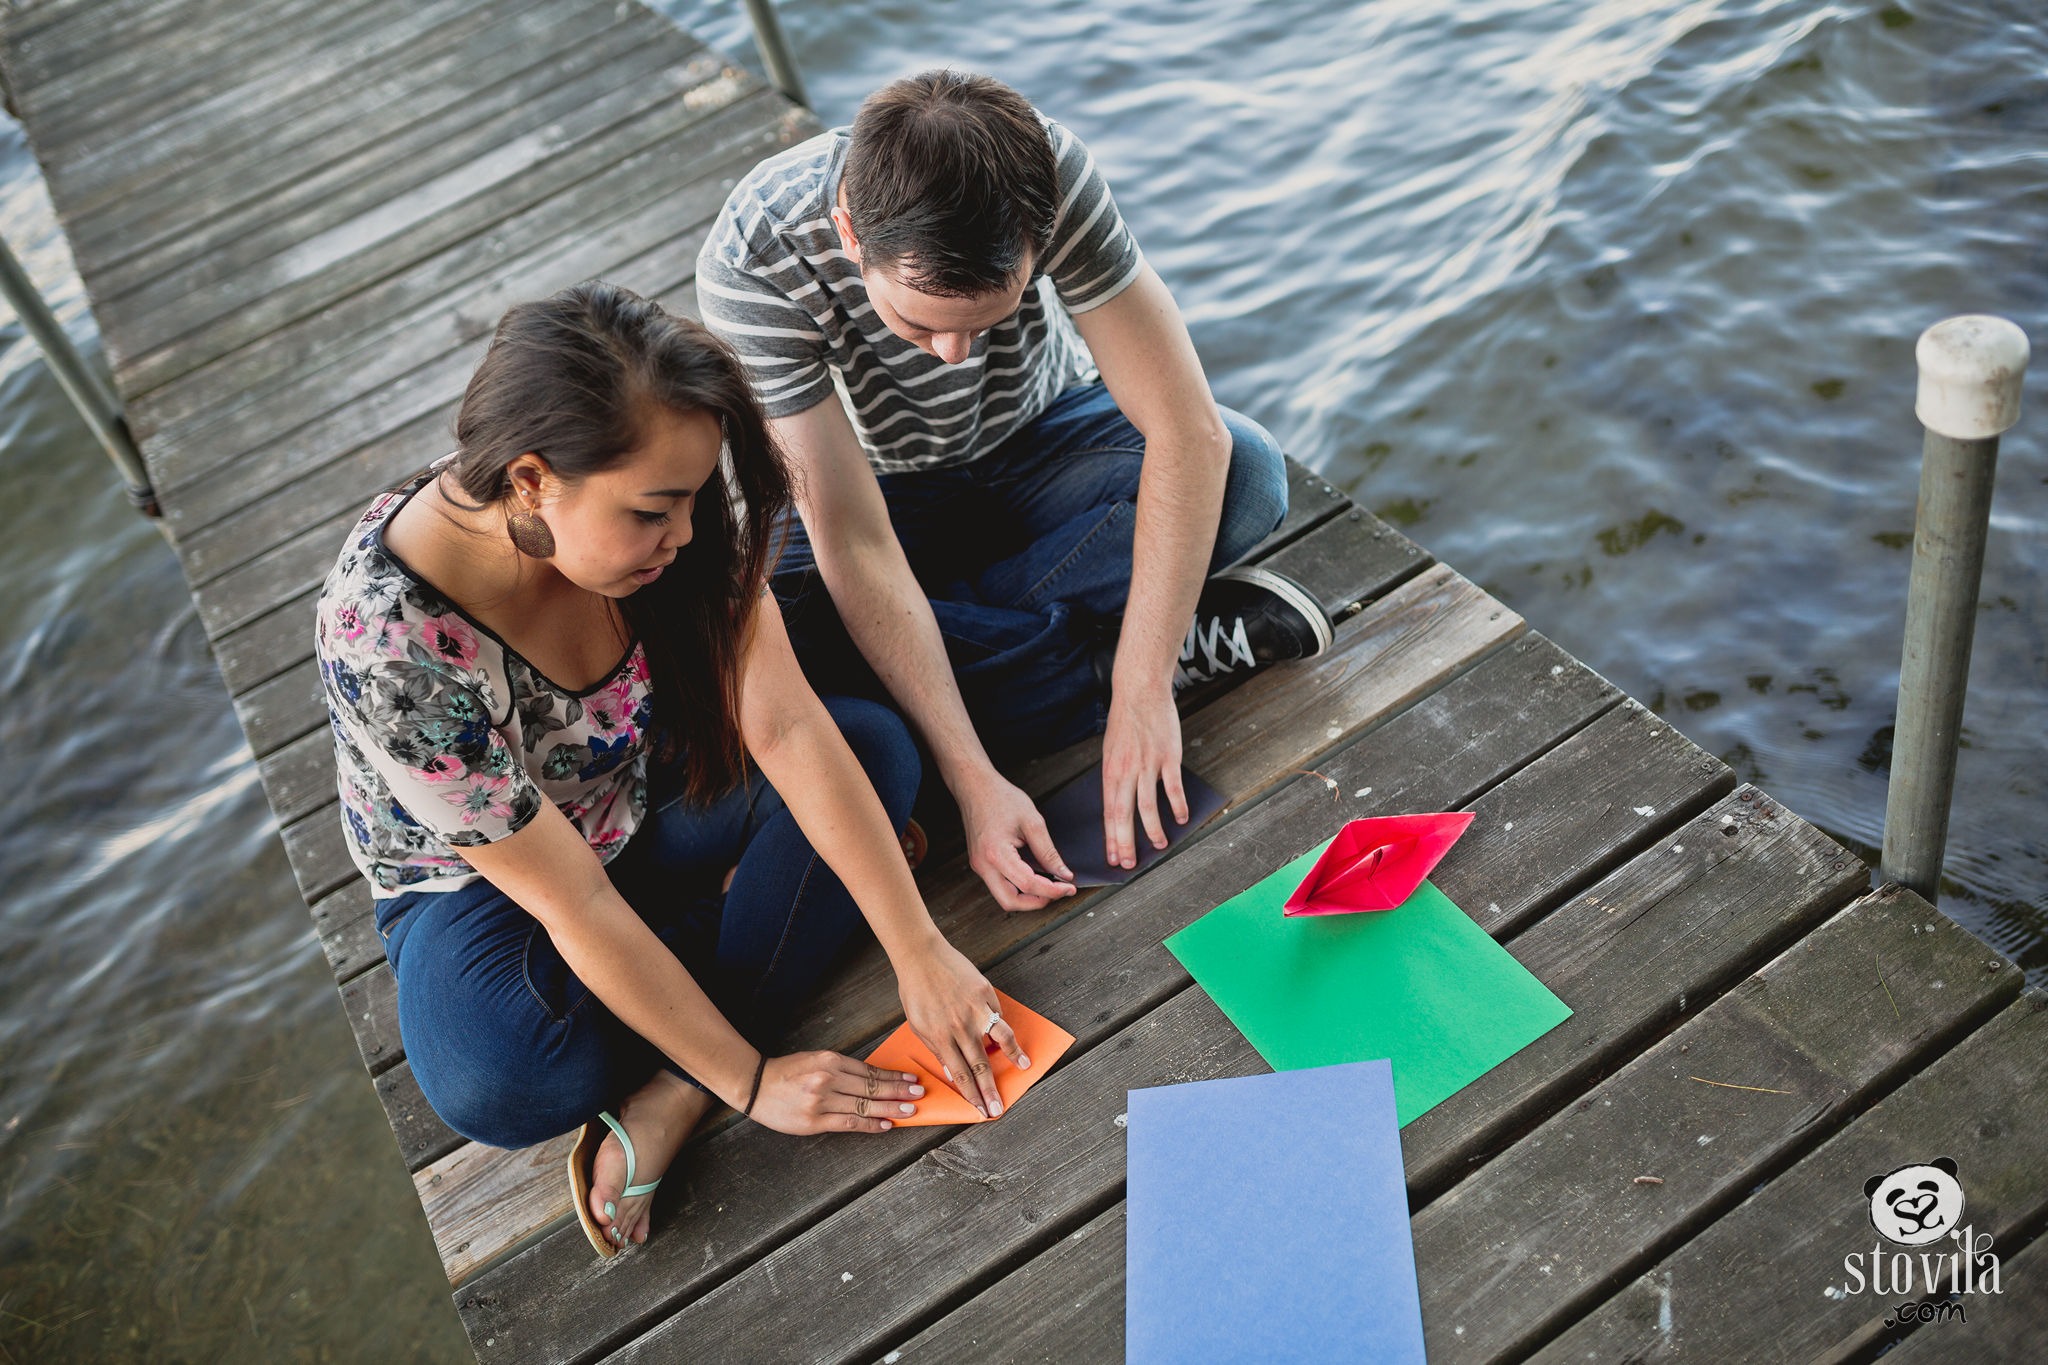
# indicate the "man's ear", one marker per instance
pixel 847 241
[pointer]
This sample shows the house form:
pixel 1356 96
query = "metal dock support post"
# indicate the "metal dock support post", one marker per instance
pixel 1971 370
pixel 775 53
pixel 88 392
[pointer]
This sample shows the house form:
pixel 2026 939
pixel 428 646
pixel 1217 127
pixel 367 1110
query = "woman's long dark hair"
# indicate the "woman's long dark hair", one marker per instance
pixel 574 378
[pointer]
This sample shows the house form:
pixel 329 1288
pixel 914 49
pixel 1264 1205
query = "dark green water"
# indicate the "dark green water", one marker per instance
pixel 1610 304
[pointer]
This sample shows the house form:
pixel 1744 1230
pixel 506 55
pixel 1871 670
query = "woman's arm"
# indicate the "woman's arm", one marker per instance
pixel 549 871
pixel 799 749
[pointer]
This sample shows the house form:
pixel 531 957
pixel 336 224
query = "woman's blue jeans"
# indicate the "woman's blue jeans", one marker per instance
pixel 1026 557
pixel 511 1049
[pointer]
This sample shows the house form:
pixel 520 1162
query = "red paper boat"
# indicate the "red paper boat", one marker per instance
pixel 1376 864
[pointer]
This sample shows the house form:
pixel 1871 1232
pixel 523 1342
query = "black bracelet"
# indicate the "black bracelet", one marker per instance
pixel 755 1093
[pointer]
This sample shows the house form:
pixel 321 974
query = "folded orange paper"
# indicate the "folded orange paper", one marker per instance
pixel 1043 1041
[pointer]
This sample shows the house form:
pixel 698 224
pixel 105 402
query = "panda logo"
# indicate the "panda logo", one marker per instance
pixel 1916 1204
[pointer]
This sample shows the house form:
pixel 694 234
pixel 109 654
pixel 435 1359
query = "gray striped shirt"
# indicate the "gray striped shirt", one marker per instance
pixel 773 281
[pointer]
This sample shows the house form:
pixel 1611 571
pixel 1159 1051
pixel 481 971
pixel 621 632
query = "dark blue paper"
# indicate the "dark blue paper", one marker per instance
pixel 1268 1221
pixel 1073 817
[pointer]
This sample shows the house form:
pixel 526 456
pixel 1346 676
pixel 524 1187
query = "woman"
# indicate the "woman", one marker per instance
pixel 614 838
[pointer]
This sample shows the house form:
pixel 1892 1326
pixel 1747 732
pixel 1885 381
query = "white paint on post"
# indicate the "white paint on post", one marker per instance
pixel 1971 370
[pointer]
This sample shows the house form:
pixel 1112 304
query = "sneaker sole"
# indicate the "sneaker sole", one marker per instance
pixel 1294 595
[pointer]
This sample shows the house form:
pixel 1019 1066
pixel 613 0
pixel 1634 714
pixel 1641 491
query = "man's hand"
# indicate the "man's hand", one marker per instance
pixel 999 819
pixel 1140 753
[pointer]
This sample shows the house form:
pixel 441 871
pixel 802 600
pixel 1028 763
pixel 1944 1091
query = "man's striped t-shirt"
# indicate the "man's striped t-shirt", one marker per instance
pixel 774 282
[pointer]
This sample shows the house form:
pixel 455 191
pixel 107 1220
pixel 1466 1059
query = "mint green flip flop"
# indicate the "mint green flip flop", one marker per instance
pixel 581 1157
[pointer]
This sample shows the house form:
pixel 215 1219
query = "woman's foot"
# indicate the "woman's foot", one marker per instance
pixel 659 1117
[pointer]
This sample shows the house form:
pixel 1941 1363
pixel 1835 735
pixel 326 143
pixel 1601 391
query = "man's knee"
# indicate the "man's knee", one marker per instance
pixel 1255 496
pixel 882 744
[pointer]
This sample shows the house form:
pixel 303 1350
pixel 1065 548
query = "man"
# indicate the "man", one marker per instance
pixel 1017 552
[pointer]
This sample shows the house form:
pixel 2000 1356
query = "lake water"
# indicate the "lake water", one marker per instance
pixel 1611 303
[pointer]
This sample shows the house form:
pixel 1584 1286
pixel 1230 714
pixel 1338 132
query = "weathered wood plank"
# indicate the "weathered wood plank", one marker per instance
pixel 362 292
pixel 244 48
pixel 1647 946
pixel 279 709
pixel 1311 501
pixel 422 1137
pixel 299 778
pixel 223 107
pixel 1550 1227
pixel 435 56
pixel 1754 1285
pixel 749 1189
pixel 216 486
pixel 650 247
pixel 62 78
pixel 318 853
pixel 462 1194
pixel 55 29
pixel 1064 1307
pixel 1600 789
pixel 428 165
pixel 388 237
pixel 1322 563
pixel 299 560
pixel 723 146
pixel 347 934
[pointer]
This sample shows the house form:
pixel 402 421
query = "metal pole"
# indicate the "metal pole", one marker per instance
pixel 775 53
pixel 88 392
pixel 1971 369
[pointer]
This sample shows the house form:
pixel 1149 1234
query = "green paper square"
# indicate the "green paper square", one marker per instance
pixel 1420 985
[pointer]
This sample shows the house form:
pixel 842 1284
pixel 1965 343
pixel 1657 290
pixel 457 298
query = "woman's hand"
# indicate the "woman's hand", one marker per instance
pixel 949 1003
pixel 825 1092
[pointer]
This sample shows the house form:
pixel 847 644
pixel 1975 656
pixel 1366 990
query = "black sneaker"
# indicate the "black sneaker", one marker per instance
pixel 1248 618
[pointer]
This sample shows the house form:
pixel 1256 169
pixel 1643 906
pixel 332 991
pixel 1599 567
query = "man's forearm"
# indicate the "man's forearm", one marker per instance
pixel 1180 502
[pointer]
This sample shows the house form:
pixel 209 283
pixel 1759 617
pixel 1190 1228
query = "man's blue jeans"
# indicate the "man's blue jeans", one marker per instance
pixel 1026 557
pixel 511 1049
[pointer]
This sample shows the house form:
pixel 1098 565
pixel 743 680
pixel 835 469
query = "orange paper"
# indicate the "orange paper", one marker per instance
pixel 1043 1041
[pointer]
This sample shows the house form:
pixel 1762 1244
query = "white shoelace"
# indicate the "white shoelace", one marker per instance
pixel 1212 644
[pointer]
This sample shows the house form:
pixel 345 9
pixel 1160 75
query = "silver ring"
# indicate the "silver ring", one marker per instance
pixel 994 1017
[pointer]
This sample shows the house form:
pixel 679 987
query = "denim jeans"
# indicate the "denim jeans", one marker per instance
pixel 1026 557
pixel 511 1049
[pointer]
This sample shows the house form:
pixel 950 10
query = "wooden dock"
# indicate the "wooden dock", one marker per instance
pixel 298 221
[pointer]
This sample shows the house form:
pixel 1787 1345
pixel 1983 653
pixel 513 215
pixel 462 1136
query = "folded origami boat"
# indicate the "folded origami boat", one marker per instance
pixel 1376 864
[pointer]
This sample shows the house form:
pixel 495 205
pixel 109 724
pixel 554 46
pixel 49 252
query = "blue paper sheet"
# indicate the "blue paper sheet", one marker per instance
pixel 1268 1221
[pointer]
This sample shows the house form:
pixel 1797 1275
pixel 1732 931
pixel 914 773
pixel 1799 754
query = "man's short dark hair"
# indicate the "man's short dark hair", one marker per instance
pixel 950 180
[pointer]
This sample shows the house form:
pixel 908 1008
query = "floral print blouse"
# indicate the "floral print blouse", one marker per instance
pixel 444 737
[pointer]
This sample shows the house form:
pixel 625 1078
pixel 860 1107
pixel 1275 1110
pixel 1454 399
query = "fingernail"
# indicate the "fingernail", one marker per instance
pixel 887 1124
pixel 1023 1061
pixel 910 1075
pixel 611 1210
pixel 995 1111
pixel 906 1109
pixel 917 1090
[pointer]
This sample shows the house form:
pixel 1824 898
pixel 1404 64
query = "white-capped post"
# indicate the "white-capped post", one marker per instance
pixel 1971 370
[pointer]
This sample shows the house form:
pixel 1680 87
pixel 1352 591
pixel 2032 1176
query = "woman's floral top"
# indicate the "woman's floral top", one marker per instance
pixel 444 737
